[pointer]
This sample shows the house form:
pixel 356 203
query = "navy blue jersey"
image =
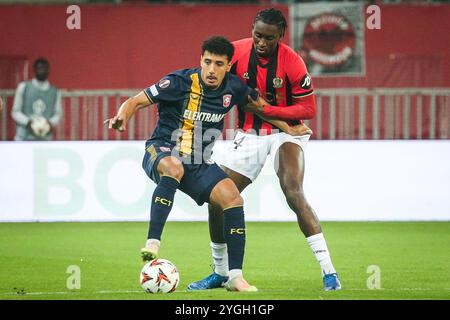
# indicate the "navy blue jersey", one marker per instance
pixel 188 111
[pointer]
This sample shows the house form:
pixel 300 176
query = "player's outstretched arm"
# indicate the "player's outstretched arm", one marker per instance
pixel 126 111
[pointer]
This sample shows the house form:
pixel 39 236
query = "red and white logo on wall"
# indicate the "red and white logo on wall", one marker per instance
pixel 329 37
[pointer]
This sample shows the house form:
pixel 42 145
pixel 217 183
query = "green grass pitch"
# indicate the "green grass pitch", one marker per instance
pixel 413 259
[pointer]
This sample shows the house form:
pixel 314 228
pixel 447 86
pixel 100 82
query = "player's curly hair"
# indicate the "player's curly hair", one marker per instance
pixel 274 17
pixel 219 45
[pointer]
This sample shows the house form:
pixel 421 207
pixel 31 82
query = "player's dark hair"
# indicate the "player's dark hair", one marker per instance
pixel 219 45
pixel 41 61
pixel 274 17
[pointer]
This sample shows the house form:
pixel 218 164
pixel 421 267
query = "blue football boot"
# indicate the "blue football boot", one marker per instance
pixel 331 282
pixel 212 281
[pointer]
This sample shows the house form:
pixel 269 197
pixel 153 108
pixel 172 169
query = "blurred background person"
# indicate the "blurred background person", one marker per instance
pixel 37 105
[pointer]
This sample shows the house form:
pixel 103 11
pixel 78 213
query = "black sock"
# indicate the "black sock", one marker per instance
pixel 234 232
pixel 162 202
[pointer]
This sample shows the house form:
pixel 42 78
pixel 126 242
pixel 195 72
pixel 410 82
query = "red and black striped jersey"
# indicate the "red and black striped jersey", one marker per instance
pixel 281 79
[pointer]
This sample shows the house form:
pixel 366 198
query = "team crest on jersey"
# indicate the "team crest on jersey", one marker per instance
pixel 164 83
pixel 227 100
pixel 277 83
pixel 246 76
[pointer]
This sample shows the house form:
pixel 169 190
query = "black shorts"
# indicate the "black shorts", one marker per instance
pixel 198 179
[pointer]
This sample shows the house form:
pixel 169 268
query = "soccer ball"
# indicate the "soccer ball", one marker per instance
pixel 159 275
pixel 40 126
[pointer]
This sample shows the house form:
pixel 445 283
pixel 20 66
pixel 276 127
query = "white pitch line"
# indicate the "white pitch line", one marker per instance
pixel 31 293
pixel 185 291
pixel 77 292
pixel 120 291
pixel 66 292
pixel 396 289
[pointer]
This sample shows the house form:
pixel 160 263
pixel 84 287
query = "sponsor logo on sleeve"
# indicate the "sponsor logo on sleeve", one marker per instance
pixel 164 83
pixel 154 91
pixel 305 83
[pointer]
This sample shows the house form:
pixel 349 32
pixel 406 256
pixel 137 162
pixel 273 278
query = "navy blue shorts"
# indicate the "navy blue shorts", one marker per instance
pixel 198 180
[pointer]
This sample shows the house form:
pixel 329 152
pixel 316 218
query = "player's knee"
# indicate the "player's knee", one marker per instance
pixel 235 200
pixel 176 171
pixel 226 195
pixel 171 167
pixel 238 200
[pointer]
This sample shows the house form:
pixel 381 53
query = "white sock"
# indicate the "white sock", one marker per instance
pixel 220 258
pixel 319 247
pixel 235 273
pixel 153 241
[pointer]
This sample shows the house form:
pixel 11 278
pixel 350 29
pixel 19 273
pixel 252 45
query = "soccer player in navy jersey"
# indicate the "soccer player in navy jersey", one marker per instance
pixel 191 106
pixel 279 73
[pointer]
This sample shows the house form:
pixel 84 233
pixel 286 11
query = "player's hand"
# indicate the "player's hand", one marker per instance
pixel 300 130
pixel 50 126
pixel 29 123
pixel 116 123
pixel 255 106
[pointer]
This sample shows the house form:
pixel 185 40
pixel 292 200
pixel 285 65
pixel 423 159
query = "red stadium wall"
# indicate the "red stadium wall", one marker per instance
pixel 125 46
pixel 131 46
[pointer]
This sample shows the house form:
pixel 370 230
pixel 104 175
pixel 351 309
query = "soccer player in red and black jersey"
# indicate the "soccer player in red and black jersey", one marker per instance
pixel 280 75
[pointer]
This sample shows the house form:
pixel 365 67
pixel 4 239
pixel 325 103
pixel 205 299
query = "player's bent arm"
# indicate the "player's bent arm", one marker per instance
pixel 127 110
pixel 17 110
pixel 58 111
pixel 304 108
pixel 283 125
pixel 297 130
pixel 131 105
pixel 257 106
